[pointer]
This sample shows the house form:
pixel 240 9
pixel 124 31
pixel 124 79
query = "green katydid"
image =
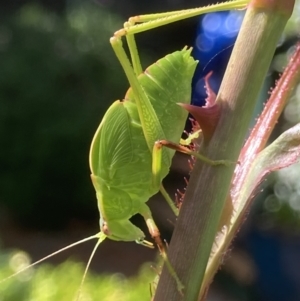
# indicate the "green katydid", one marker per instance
pixel 127 160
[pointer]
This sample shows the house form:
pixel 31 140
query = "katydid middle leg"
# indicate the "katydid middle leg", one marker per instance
pixel 157 157
pixel 151 21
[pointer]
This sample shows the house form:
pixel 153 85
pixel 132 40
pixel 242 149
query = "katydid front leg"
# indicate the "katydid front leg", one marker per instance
pixel 154 232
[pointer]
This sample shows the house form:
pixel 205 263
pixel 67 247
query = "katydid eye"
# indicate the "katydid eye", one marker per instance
pixel 105 229
pixel 140 241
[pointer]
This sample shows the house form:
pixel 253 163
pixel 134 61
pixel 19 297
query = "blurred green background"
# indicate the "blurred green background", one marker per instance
pixel 58 76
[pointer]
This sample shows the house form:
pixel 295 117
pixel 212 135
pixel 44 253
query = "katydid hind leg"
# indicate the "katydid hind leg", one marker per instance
pixel 135 59
pixel 150 123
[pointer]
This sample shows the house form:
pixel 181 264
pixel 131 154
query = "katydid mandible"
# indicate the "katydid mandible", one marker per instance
pixel 127 161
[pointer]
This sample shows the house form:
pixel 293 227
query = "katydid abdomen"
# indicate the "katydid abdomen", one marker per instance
pixel 120 157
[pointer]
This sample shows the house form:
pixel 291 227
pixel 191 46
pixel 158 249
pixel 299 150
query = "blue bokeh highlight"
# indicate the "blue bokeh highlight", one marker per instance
pixel 216 35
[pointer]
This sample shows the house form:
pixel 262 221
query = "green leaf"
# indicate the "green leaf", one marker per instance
pixel 283 152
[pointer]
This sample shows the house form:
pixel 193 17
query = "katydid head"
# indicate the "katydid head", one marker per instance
pixel 123 230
